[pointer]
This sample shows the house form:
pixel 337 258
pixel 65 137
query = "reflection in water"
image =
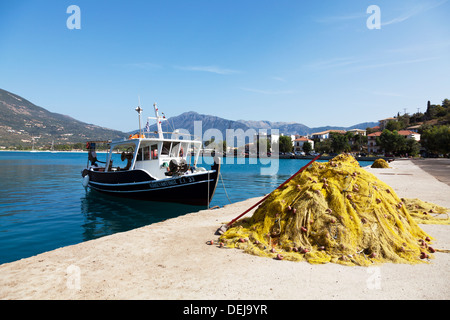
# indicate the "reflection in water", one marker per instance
pixel 105 214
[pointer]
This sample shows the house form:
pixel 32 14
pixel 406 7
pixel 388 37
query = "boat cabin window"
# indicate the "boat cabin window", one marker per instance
pixel 165 148
pixel 175 149
pixel 147 153
pixel 154 151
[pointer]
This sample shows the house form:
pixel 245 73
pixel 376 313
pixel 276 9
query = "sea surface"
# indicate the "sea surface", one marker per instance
pixel 43 205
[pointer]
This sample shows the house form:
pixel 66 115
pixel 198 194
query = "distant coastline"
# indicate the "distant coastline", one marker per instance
pixel 325 157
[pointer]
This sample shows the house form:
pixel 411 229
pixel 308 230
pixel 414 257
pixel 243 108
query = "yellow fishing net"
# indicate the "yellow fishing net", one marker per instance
pixel 426 213
pixel 380 163
pixel 333 212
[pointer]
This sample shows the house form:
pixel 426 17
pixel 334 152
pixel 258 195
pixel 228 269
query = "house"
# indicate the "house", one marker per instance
pixel 372 143
pixel 271 137
pixel 358 131
pixel 325 134
pixel 414 128
pixel 408 134
pixel 298 144
pixel 372 139
pixel 384 122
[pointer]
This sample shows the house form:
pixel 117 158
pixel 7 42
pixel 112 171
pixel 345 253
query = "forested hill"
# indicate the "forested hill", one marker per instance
pixel 21 120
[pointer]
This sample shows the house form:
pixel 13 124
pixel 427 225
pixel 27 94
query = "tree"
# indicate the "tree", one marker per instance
pixel 412 147
pixel 323 146
pixel 307 147
pixel 339 142
pixel 224 146
pixel 394 125
pixel 208 142
pixel 261 142
pixel 285 144
pixel 436 139
pixel 446 103
pixel 391 141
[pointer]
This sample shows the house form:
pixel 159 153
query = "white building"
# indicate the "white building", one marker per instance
pixel 325 134
pixel 298 144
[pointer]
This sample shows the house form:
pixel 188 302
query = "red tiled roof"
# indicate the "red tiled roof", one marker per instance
pixel 406 132
pixel 328 131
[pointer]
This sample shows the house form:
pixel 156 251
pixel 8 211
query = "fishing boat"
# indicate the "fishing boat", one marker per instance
pixel 154 168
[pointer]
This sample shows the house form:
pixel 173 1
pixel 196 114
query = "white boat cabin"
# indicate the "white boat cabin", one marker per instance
pixel 153 155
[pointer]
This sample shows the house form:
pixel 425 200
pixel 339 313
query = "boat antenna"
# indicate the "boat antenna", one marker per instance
pixel 139 111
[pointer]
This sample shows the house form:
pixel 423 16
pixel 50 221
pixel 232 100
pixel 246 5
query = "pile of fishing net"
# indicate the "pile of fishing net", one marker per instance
pixel 427 213
pixel 334 212
pixel 380 163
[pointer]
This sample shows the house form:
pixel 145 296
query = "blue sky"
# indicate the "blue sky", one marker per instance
pixel 312 62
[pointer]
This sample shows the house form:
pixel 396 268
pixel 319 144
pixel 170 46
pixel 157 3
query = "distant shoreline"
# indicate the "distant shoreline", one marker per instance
pixel 279 157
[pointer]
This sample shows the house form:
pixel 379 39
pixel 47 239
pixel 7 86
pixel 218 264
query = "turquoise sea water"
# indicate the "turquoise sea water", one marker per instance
pixel 43 205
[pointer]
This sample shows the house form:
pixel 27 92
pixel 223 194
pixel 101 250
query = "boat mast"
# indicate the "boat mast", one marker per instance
pixel 158 122
pixel 139 111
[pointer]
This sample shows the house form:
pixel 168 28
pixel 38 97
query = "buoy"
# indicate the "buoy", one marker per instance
pixel 85 181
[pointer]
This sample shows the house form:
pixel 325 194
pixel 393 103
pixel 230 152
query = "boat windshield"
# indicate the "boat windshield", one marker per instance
pixel 125 160
pixel 175 149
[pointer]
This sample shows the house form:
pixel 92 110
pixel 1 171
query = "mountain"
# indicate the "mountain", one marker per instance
pixel 21 120
pixel 292 128
pixel 186 121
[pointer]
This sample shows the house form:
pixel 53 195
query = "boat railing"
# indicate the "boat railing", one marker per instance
pixel 194 137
